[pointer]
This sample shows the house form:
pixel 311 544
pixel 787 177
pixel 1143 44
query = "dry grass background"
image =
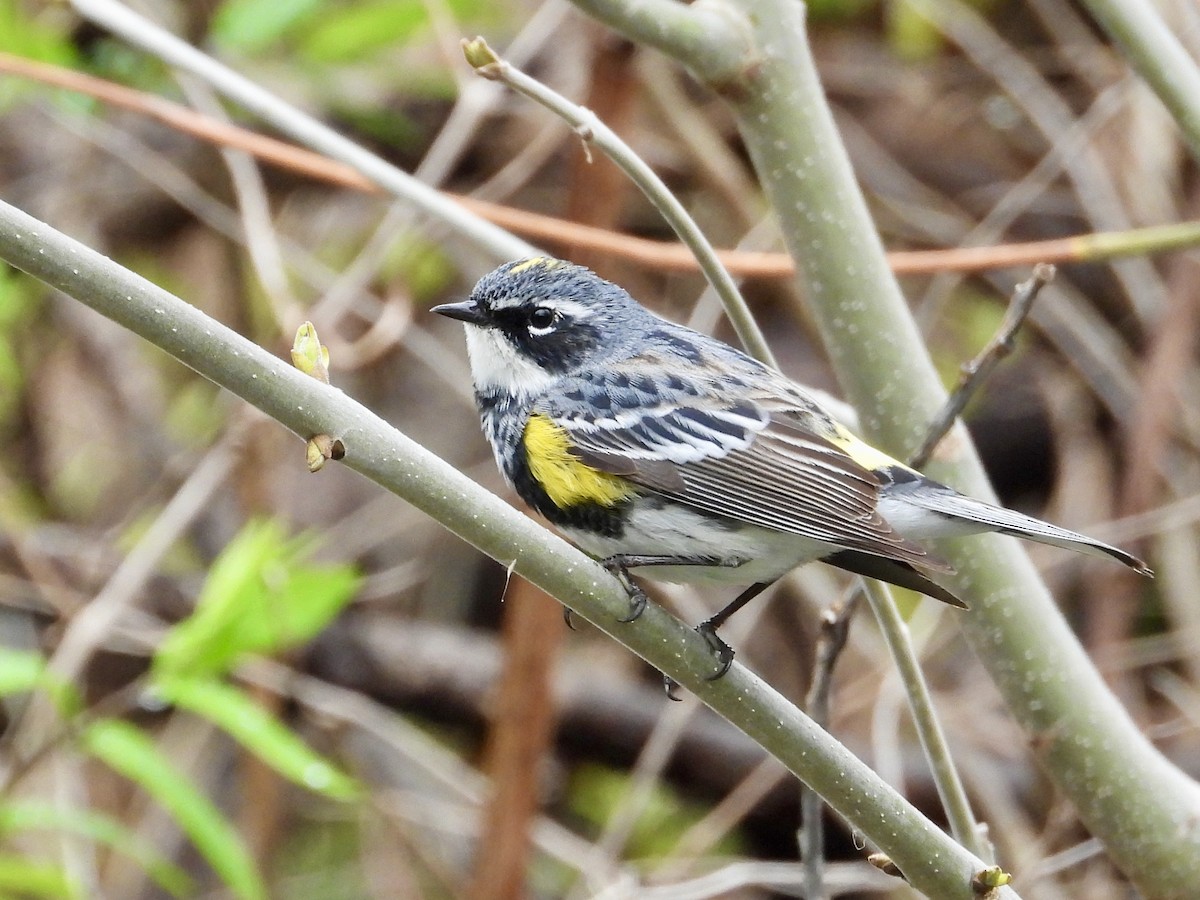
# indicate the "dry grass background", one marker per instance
pixel 1025 126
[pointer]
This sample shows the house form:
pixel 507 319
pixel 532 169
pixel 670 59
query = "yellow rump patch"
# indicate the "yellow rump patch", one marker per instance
pixel 567 480
pixel 863 453
pixel 545 262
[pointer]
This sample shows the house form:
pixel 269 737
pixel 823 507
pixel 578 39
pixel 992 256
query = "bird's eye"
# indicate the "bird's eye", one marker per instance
pixel 541 319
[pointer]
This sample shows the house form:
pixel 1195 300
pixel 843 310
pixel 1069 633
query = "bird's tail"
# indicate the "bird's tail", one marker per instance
pixel 893 571
pixel 955 506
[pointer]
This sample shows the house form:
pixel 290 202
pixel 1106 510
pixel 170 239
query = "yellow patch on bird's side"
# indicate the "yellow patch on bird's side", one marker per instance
pixel 546 262
pixel 862 452
pixel 567 480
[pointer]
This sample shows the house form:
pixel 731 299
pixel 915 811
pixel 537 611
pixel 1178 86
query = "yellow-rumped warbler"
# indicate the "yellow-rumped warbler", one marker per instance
pixel 652 445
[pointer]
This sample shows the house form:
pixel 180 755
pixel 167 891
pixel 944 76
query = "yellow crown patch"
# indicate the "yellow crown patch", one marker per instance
pixel 535 262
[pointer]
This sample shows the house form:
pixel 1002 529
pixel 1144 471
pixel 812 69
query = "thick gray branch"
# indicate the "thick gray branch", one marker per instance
pixel 1154 50
pixel 1144 809
pixel 375 449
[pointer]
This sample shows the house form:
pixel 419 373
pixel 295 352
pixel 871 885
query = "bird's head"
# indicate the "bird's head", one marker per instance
pixel 534 320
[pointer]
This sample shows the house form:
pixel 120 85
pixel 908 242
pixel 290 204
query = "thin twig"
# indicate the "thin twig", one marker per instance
pixel 977 370
pixel 945 776
pixel 1049 113
pixel 835 625
pixel 835 629
pixel 589 127
pixel 1156 52
pixel 254 208
pixel 160 43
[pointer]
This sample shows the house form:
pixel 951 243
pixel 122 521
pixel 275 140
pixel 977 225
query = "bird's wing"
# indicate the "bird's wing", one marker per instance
pixel 758 459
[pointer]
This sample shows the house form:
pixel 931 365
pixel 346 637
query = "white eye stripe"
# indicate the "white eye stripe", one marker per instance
pixel 561 309
pixel 573 308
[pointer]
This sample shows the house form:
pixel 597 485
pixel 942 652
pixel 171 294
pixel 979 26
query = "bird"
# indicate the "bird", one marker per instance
pixel 666 453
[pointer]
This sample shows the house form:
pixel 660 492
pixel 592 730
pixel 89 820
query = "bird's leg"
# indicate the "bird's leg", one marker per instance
pixel 708 628
pixel 619 565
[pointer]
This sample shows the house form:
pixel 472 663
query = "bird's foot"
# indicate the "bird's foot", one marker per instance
pixel 671 686
pixel 618 567
pixel 722 651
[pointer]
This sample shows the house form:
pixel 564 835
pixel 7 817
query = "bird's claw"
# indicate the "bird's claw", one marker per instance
pixel 637 597
pixel 637 604
pixel 671 686
pixel 721 650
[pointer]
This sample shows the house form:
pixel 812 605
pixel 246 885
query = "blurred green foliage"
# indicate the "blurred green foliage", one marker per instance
pixel 24 877
pixel 318 31
pixel 34 32
pixel 247 722
pixel 596 792
pixel 19 818
pixel 128 750
pixel 262 595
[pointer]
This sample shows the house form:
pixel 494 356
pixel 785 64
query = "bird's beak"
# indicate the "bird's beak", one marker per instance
pixel 466 311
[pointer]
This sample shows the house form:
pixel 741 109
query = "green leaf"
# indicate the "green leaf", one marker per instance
pixel 359 31
pixel 261 597
pixel 24 878
pixel 128 751
pixel 21 34
pixel 251 26
pixel 25 670
pixel 259 732
pixel 20 671
pixel 100 829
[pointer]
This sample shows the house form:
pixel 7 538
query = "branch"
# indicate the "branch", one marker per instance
pixel 143 33
pixel 976 372
pixel 933 741
pixel 591 129
pixel 835 622
pixel 555 232
pixel 1158 56
pixel 835 631
pixel 929 858
pixel 712 35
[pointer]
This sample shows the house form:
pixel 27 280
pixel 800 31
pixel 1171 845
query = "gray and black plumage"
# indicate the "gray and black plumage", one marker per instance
pixel 649 443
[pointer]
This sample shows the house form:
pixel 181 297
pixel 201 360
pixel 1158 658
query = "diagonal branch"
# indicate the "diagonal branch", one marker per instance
pixel 976 372
pixel 1158 56
pixel 928 857
pixel 302 127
